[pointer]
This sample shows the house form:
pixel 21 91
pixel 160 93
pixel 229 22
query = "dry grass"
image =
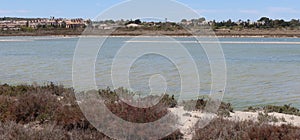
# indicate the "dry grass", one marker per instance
pixel 228 130
pixel 12 130
pixel 24 105
pixel 200 104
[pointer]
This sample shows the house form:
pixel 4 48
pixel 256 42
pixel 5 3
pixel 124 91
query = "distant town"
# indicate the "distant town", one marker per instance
pixel 10 23
pixel 62 26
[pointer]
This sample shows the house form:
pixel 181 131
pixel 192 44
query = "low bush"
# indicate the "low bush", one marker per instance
pixel 285 109
pixel 252 109
pixel 51 104
pixel 50 88
pixel 11 130
pixel 224 129
pixel 200 104
pixel 132 113
pixel 266 118
pixel 112 96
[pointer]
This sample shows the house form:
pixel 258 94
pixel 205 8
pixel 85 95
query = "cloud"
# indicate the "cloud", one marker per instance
pixel 254 12
pixel 22 11
pixel 5 11
pixel 203 11
pixel 98 4
pixel 14 11
pixel 283 10
pixel 269 10
pixel 57 12
pixel 218 11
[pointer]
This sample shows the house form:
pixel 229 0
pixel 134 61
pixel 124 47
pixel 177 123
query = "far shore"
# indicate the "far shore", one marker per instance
pixel 173 35
pixel 246 33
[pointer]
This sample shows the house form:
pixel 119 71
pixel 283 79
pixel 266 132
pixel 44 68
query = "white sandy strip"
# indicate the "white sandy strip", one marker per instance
pixel 212 42
pixel 289 119
pixel 8 40
pixel 188 119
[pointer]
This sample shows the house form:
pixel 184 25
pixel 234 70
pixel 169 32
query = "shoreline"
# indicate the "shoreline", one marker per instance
pixel 247 33
pixel 188 119
pixel 175 35
pixel 234 103
pixel 253 108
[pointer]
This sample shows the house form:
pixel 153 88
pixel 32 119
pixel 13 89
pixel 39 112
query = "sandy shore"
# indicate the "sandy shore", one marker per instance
pixel 244 116
pixel 188 119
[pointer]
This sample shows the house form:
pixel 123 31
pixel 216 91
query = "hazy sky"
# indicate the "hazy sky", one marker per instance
pixel 211 9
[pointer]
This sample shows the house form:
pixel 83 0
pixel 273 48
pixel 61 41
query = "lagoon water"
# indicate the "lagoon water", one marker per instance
pixel 260 71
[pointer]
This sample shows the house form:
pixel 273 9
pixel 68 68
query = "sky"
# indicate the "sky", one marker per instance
pixel 210 9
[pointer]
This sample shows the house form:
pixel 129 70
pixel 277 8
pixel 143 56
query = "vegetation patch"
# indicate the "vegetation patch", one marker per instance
pixel 51 112
pixel 285 109
pixel 200 104
pixel 221 128
pixel 253 109
pixel 265 118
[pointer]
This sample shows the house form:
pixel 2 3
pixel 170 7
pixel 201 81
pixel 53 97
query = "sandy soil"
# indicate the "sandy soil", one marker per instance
pixel 289 119
pixel 188 119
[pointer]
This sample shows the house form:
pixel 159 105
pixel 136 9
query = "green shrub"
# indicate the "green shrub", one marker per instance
pixel 252 109
pixel 266 118
pixel 200 104
pixel 285 109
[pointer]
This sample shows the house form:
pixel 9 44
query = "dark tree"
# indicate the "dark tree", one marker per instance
pixel 138 21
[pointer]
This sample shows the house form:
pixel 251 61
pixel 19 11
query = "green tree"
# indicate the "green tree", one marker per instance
pixel 201 19
pixel 183 20
pixel 137 21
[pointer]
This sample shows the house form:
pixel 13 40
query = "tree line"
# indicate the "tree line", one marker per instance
pixel 262 23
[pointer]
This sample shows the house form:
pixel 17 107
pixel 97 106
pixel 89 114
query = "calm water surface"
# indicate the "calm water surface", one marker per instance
pixel 260 70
